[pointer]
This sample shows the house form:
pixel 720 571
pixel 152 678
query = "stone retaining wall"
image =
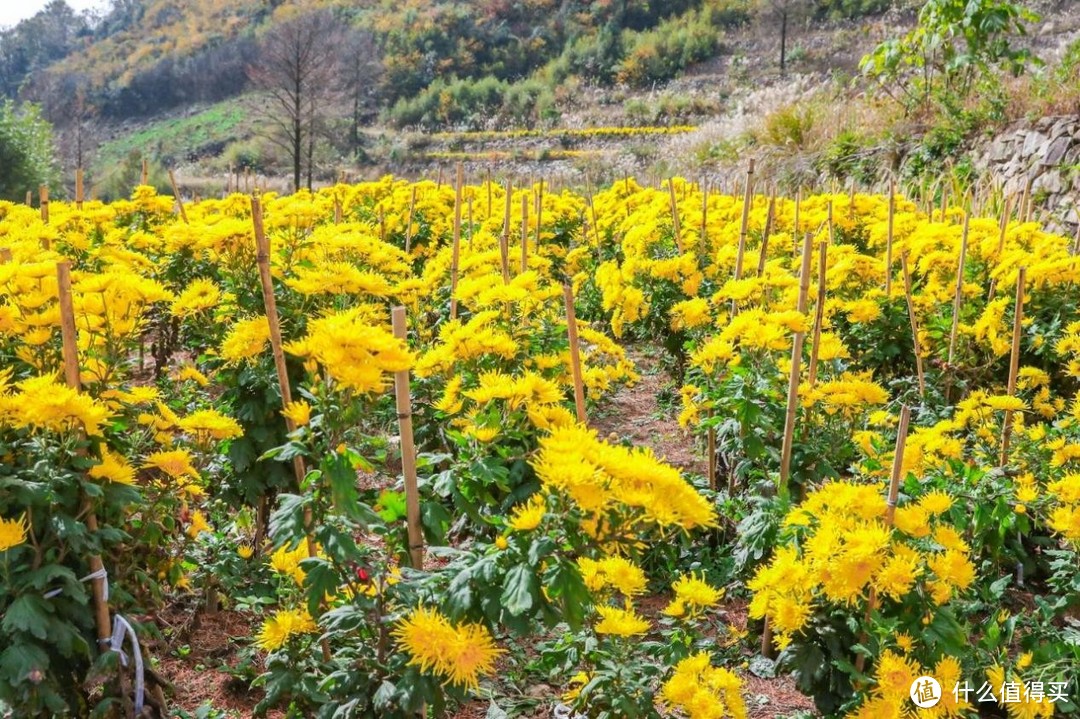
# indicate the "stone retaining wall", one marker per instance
pixel 1046 153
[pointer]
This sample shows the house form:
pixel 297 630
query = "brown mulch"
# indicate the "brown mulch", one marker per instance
pixel 200 676
pixel 632 413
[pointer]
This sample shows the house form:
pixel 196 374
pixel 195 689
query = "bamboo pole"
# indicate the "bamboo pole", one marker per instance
pixel 914 325
pixel 176 195
pixel 959 294
pixel 1003 228
pixel 793 378
pixel 524 232
pixel 504 239
pixel 890 512
pixel 1014 362
pixel 1027 201
pixel 409 222
pixel 704 217
pixel 262 257
pixel 676 226
pixel 470 224
pixel 575 353
pixel 889 239
pixel 710 456
pixel 455 257
pixel 743 226
pixel 770 218
pixel 78 188
pixel 539 213
pixel 29 198
pixel 819 312
pixel 43 193
pixel 408 450
pixel 144 178
pixel 795 221
pixel 102 618
pixel 337 210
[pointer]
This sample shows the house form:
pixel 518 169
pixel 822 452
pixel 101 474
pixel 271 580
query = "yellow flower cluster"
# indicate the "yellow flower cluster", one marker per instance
pixel 282 626
pixel 460 654
pixel 602 480
pixel 702 691
pixel 846 550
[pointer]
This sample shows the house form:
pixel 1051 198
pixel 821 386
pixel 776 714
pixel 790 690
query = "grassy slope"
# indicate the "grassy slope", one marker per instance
pixel 177 138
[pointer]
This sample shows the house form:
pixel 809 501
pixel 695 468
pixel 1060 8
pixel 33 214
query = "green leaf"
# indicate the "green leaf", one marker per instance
pixel 320 579
pixel 521 590
pixel 19 660
pixel 29 613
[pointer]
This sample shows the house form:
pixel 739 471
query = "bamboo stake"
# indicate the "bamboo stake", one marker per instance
pixel 29 198
pixel 575 353
pixel 675 215
pixel 79 188
pixel 337 210
pixel 489 189
pixel 408 224
pixel 1014 362
pixel 1027 201
pixel 914 325
pixel 176 194
pixel 262 257
pixel 793 378
pixel 890 512
pixel 704 217
pixel 71 376
pixel 470 223
pixel 889 239
pixel 710 456
pixel 539 213
pixel 144 178
pixel 819 313
pixel 770 218
pixel 408 450
pixel 43 193
pixel 504 240
pixel 455 257
pixel 795 228
pixel 747 190
pixel 959 294
pixel 524 232
pixel 1003 228
pixel 382 224
pixel 851 200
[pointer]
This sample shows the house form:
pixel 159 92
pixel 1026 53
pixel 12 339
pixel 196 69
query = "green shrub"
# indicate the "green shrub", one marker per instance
pixel 848 156
pixel 26 151
pixel 662 53
pixel 472 103
pixel 790 126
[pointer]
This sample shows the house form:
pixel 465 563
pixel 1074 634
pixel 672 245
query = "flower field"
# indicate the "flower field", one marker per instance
pixel 365 419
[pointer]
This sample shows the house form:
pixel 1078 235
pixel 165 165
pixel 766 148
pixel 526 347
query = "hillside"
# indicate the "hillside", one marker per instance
pixel 419 85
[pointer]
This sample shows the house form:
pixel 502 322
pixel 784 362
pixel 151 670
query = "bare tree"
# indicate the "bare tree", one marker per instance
pixel 362 70
pixel 298 70
pixel 784 11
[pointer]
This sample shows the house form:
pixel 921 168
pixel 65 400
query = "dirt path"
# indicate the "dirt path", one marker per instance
pixel 197 657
